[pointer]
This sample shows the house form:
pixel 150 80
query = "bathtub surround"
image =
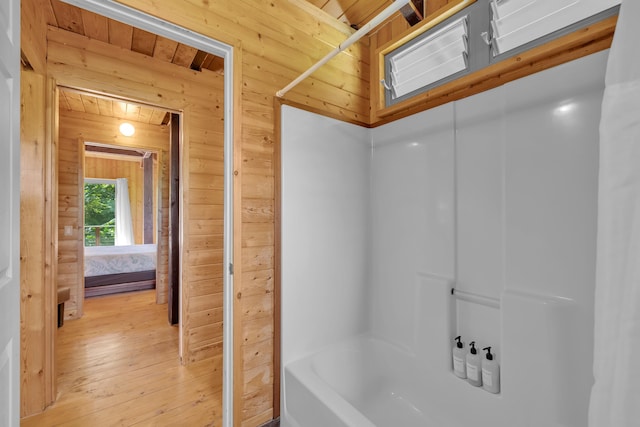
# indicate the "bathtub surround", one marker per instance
pixel 493 195
pixel 325 240
pixel 615 395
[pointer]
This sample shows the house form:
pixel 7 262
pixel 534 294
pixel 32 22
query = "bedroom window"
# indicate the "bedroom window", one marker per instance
pixel 99 212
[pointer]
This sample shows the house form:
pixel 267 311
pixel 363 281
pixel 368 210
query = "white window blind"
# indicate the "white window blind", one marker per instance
pixel 517 22
pixel 433 58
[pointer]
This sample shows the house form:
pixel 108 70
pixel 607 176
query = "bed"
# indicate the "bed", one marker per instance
pixel 113 269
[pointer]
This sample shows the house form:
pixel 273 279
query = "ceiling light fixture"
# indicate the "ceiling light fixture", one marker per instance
pixel 127 129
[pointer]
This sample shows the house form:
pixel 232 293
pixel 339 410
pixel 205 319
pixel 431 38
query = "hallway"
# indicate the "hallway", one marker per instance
pixel 118 365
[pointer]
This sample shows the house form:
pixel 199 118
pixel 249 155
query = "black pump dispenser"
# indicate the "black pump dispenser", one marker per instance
pixel 473 347
pixel 488 355
pixel 459 343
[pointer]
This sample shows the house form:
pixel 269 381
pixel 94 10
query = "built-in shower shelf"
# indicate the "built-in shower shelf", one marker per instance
pixel 475 298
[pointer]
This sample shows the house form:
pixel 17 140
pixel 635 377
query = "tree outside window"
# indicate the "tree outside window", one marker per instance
pixel 99 214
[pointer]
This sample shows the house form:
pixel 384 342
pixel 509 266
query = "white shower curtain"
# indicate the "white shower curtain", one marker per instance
pixel 124 226
pixel 615 397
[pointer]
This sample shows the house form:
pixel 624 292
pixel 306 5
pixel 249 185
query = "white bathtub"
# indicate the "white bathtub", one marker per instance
pixel 365 382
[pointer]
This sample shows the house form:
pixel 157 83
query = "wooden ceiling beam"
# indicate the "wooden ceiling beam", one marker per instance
pixel 198 60
pixel 105 106
pixel 95 26
pixel 120 34
pixel 90 104
pixel 184 55
pixel 143 42
pixel 165 49
pixel 68 17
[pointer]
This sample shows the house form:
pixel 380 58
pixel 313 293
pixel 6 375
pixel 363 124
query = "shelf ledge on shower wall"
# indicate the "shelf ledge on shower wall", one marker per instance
pixel 475 298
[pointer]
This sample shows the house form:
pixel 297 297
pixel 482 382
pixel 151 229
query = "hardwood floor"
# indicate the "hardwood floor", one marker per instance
pixel 118 366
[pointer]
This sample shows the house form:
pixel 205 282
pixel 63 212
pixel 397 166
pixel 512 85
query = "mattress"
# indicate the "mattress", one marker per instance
pixel 102 260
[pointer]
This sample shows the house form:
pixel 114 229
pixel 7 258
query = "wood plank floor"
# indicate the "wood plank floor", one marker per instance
pixel 118 366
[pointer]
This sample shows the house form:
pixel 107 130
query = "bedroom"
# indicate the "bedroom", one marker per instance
pixel 143 160
pixel 121 211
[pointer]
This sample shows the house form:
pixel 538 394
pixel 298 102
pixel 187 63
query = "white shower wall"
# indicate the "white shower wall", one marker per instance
pixel 413 211
pixel 496 193
pixel 325 232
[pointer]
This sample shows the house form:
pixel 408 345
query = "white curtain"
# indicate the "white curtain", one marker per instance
pixel 124 226
pixel 615 397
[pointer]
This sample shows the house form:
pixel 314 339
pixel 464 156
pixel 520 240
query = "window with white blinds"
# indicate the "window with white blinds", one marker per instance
pixel 517 22
pixel 430 59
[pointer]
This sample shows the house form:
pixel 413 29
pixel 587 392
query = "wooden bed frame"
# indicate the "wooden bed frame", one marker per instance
pixel 119 282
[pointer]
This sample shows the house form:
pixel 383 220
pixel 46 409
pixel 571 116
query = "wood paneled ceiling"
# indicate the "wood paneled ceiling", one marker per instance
pixel 80 21
pixel 73 100
pixel 61 15
pixel 354 13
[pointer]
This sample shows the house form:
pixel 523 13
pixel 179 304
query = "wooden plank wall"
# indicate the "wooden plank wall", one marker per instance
pixel 161 183
pixel 80 62
pixel 276 40
pixel 33 34
pixel 38 245
pixel 70 267
pixel 99 167
pixel 76 127
pixel 36 248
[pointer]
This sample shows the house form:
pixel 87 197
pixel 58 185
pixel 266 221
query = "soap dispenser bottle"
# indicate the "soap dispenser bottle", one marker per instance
pixel 459 359
pixel 490 373
pixel 474 369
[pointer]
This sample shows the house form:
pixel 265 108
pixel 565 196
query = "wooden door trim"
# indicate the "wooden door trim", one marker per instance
pixel 173 285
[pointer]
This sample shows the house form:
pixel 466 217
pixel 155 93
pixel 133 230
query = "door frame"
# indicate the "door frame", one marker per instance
pixel 114 10
pixel 10 280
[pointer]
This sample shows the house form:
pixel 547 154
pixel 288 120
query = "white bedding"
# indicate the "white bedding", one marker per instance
pixel 101 260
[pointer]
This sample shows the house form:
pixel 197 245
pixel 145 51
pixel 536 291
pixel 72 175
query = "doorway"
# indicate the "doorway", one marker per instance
pixel 125 240
pixel 199 184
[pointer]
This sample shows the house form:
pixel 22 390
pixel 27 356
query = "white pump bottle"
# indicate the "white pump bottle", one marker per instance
pixel 474 369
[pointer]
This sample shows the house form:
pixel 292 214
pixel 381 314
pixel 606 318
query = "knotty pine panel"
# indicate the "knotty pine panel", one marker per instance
pixel 257 210
pixel 204 197
pixel 70 215
pixel 33 34
pixel 256 306
pixel 209 256
pixel 204 317
pixel 162 276
pixel 257 282
pixel 256 407
pixel 258 354
pixel 37 305
pixel 257 378
pixel 257 234
pixel 207 286
pixel 257 334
